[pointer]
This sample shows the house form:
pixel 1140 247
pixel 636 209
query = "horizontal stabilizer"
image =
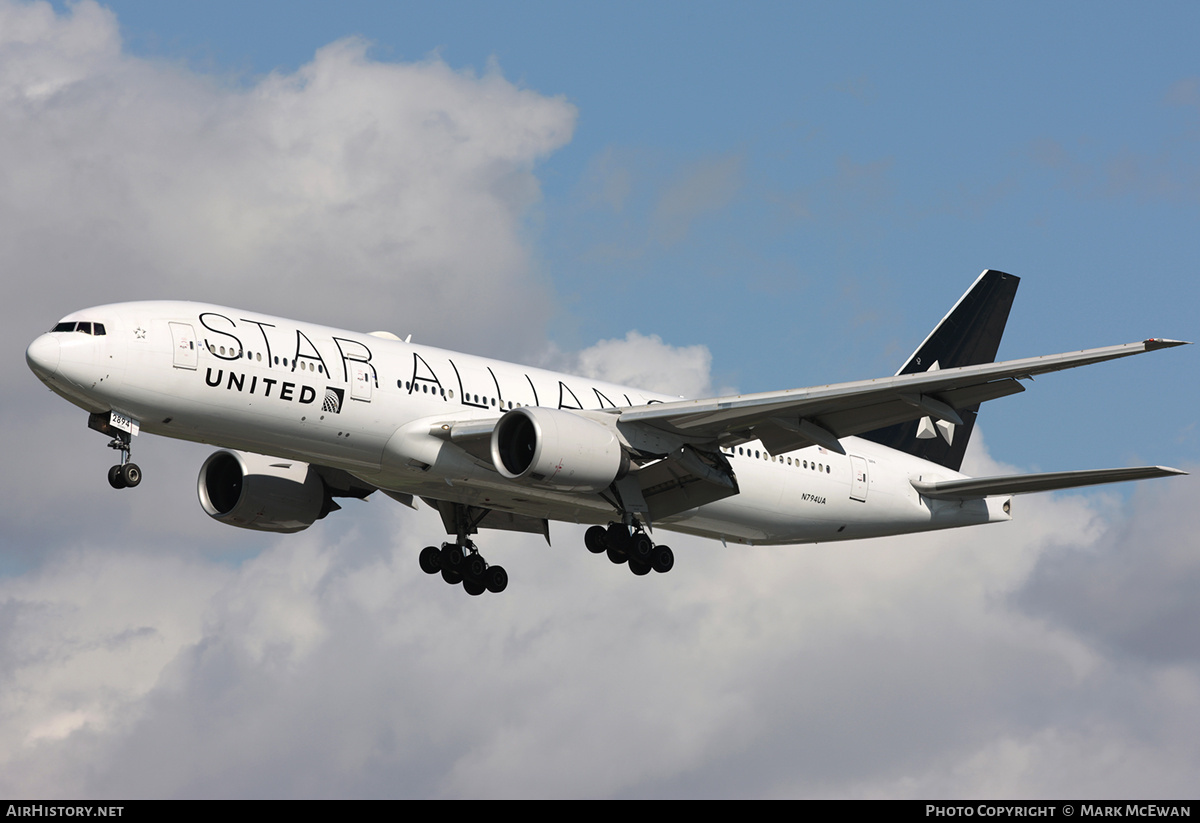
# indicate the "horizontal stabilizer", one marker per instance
pixel 975 487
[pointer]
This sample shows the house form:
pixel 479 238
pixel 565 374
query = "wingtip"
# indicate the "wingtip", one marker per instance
pixel 1153 343
pixel 1170 471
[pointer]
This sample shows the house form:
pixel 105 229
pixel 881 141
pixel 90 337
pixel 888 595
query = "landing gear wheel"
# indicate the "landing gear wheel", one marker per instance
pixel 640 546
pixel 616 536
pixel 452 558
pixel 617 557
pixel 474 568
pixel 594 539
pixel 639 568
pixel 460 561
pixel 431 560
pixel 495 579
pixel 662 559
pixel 131 474
pixel 115 479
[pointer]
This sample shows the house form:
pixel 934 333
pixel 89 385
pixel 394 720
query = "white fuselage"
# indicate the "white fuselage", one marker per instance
pixel 367 403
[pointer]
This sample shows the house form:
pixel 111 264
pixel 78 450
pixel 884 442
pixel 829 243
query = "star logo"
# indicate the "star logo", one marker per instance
pixel 139 333
pixel 929 428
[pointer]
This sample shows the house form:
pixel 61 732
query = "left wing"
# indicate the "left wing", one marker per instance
pixel 973 488
pixel 792 419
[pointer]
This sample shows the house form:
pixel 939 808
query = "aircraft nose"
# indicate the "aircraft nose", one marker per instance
pixel 42 355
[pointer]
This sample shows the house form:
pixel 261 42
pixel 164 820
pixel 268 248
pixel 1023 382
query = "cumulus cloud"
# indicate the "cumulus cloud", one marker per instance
pixel 351 191
pixel 330 666
pixel 647 362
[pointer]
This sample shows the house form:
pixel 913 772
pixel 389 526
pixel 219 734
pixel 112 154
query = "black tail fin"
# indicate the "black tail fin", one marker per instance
pixel 967 336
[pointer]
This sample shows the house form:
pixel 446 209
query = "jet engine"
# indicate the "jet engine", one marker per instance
pixel 252 491
pixel 557 449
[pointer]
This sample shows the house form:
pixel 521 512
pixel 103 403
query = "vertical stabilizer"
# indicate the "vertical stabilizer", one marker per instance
pixel 967 336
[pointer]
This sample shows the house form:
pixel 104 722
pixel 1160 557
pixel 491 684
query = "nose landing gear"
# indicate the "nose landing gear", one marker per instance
pixel 124 475
pixel 121 428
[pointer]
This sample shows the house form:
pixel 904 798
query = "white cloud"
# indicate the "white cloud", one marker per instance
pixel 330 666
pixel 351 191
pixel 645 361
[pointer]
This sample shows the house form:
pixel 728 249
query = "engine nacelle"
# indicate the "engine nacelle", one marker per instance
pixel 252 491
pixel 557 449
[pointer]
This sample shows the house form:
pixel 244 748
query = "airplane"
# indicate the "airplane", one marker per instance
pixel 304 414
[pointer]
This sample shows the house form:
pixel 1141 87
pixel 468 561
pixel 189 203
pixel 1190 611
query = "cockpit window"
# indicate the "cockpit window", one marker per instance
pixel 84 327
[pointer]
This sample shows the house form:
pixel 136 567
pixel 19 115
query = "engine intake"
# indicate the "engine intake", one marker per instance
pixel 557 449
pixel 252 491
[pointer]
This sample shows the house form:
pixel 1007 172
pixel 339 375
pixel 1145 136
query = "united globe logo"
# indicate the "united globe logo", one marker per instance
pixel 333 400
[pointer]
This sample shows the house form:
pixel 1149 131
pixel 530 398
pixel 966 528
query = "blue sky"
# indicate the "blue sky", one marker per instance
pixel 724 196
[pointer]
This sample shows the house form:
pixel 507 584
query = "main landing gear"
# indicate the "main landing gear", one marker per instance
pixel 462 563
pixel 124 475
pixel 635 548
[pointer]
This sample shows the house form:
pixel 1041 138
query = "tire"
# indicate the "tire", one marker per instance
pixel 616 536
pixel 639 568
pixel 640 547
pixel 496 579
pixel 616 556
pixel 115 479
pixel 473 587
pixel 594 539
pixel 473 568
pixel 663 559
pixel 451 577
pixel 131 474
pixel 452 558
pixel 431 560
